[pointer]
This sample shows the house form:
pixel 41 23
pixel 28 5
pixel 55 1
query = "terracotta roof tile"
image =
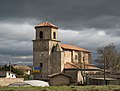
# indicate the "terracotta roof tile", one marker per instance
pixel 69 65
pixel 89 66
pixel 66 46
pixel 46 24
pixel 56 74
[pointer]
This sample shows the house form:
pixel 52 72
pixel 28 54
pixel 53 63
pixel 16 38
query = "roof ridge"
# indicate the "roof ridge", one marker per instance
pixel 46 24
pixel 67 46
pixel 55 74
pixel 72 64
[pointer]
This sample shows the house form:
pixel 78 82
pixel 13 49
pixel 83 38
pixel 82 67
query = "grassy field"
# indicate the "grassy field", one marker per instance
pixel 63 88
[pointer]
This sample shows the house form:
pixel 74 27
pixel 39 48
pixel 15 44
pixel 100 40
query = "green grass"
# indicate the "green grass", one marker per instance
pixel 64 88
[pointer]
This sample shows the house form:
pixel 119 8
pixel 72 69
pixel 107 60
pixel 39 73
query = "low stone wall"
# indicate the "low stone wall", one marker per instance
pixel 7 81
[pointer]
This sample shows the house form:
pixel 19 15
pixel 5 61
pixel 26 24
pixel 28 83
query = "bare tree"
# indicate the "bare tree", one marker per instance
pixel 109 57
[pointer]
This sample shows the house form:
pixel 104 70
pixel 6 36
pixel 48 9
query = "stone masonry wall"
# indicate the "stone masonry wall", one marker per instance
pixel 7 81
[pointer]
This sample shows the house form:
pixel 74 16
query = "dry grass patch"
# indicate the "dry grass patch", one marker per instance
pixel 63 88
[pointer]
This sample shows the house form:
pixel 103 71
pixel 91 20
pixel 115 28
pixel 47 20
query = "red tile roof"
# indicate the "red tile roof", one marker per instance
pixel 56 74
pixel 46 24
pixel 69 65
pixel 70 47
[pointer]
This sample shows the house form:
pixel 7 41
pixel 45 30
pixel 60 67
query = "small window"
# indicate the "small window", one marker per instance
pixel 41 34
pixel 41 64
pixel 83 59
pixel 54 35
pixel 76 57
pixel 42 55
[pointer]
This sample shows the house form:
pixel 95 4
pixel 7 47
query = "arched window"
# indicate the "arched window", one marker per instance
pixel 54 35
pixel 41 34
pixel 76 57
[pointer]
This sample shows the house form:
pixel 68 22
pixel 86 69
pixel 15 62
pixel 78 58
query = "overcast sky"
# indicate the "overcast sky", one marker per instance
pixel 85 23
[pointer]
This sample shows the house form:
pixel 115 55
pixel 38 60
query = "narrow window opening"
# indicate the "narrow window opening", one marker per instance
pixel 41 34
pixel 76 57
pixel 54 35
pixel 41 64
pixel 42 55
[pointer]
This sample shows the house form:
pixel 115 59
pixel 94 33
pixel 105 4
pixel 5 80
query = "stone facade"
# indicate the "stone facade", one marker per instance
pixel 59 79
pixel 51 56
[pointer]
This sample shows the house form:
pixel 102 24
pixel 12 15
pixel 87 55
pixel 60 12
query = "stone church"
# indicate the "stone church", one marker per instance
pixel 58 62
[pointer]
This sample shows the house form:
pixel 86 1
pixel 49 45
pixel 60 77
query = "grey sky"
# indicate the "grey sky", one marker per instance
pixel 85 23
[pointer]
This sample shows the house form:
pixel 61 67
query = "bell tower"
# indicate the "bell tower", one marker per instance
pixel 46 38
pixel 46 31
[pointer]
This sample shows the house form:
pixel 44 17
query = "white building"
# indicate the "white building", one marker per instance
pixel 10 75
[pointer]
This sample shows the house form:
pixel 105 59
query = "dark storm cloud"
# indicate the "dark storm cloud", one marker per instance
pixel 5 59
pixel 68 14
pixel 15 37
pixel 15 40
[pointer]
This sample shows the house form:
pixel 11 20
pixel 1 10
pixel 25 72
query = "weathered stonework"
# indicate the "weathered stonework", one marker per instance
pixel 52 57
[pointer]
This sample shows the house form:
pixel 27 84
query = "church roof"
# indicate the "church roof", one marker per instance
pixel 70 47
pixel 46 24
pixel 69 65
pixel 56 74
